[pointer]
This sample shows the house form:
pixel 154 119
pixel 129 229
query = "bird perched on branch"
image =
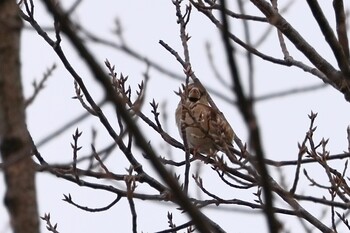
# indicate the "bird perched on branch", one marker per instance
pixel 204 128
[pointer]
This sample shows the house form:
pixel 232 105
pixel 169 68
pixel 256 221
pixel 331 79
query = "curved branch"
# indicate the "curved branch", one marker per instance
pixel 333 76
pixel 202 222
pixel 330 37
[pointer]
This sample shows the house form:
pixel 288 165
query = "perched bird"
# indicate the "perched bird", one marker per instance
pixel 206 131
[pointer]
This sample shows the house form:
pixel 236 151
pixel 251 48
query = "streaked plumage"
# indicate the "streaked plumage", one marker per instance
pixel 206 130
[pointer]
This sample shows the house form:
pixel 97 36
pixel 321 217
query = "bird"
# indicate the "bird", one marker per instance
pixel 205 129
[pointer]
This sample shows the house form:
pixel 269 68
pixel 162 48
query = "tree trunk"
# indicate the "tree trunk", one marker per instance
pixel 15 146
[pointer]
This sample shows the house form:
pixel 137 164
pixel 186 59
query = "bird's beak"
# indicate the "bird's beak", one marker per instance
pixel 194 94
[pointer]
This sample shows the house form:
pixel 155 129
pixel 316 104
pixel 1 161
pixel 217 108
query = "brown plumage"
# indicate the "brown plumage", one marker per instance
pixel 206 130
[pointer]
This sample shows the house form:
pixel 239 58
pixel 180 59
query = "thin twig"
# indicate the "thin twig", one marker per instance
pixel 331 75
pixel 69 200
pixel 40 86
pixel 130 187
pixel 247 112
pixel 283 45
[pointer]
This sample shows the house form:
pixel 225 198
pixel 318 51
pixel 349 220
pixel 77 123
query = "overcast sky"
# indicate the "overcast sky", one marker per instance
pixel 284 120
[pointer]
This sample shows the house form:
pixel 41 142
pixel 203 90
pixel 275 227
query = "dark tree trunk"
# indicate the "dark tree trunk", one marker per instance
pixel 15 147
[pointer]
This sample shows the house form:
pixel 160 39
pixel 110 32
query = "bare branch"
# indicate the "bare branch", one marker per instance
pixel 330 37
pixel 40 86
pixel 332 76
pixel 69 200
pixel 340 17
pixel 49 225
